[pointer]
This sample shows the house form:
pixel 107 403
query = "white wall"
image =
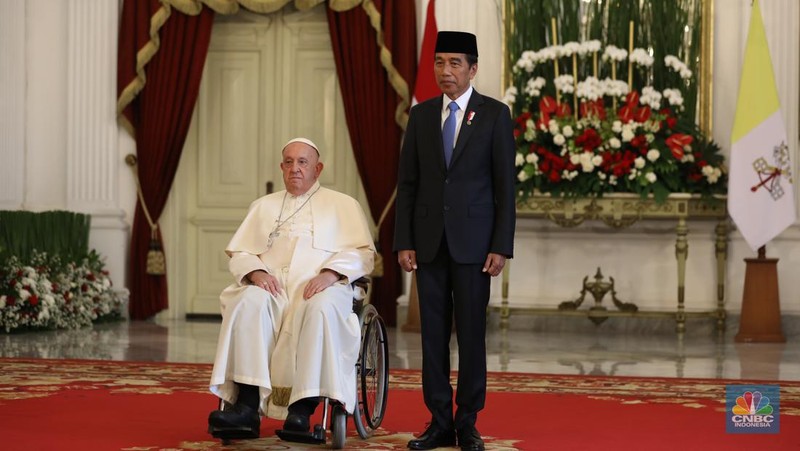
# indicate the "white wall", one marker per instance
pixel 50 118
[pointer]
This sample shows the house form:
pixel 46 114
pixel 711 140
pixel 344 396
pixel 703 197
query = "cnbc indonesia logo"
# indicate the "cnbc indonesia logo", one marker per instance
pixel 752 411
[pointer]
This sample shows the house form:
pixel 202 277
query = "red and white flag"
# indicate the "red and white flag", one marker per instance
pixel 425 85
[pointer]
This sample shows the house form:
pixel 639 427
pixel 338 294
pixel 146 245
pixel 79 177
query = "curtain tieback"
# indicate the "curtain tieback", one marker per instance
pixel 156 262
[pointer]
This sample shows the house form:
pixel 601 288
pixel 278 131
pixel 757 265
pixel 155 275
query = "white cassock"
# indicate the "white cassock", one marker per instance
pixel 290 347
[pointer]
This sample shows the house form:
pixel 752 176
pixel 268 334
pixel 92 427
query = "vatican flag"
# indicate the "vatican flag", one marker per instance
pixel 760 190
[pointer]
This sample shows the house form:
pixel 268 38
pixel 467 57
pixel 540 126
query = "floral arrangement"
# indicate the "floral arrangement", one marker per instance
pixel 580 135
pixel 45 293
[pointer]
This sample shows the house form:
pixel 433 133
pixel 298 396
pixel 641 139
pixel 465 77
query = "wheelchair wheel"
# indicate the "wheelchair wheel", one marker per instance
pixel 338 426
pixel 372 373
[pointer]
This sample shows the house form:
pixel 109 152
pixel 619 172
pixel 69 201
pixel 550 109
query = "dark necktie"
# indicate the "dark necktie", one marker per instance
pixel 449 133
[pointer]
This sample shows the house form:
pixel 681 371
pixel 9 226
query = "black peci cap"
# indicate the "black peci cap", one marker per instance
pixel 456 42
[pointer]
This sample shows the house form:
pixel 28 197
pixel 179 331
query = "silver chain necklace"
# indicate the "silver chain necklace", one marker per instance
pixel 278 223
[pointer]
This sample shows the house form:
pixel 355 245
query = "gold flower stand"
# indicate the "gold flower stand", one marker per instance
pixel 623 210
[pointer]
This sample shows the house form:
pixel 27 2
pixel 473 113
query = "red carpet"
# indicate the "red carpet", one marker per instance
pixel 102 405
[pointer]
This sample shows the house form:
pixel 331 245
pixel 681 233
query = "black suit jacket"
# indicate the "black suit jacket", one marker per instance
pixel 472 201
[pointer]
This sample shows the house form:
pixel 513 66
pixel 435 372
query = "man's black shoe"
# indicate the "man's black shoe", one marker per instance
pixel 296 422
pixel 433 437
pixel 238 418
pixel 469 439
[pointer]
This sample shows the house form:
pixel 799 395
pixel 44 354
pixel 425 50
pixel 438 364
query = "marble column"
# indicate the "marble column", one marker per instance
pixel 93 160
pixel 12 104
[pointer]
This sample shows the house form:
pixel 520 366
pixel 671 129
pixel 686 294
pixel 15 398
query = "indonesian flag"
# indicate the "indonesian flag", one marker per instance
pixel 760 191
pixel 425 85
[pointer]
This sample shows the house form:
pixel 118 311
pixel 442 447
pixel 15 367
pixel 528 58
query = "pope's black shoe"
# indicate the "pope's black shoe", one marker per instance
pixel 469 439
pixel 433 437
pixel 239 420
pixel 297 422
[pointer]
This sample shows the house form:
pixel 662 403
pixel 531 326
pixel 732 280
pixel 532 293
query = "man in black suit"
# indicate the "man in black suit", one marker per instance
pixel 455 227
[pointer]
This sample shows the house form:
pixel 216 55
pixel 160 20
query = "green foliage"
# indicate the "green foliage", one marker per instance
pixel 61 233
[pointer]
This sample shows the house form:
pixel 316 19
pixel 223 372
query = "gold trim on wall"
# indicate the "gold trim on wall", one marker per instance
pixel 705 91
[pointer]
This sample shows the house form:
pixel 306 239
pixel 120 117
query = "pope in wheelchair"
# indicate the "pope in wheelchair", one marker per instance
pixel 289 335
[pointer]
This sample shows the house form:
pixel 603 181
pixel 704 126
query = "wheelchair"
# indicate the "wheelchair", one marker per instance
pixel 372 382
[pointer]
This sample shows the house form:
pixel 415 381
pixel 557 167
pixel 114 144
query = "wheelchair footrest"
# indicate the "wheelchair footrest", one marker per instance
pixel 315 438
pixel 233 433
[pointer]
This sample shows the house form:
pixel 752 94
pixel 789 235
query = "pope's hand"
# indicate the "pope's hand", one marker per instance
pixel 320 282
pixel 266 281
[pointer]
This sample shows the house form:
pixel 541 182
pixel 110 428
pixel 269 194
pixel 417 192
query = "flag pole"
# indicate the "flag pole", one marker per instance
pixel 760 320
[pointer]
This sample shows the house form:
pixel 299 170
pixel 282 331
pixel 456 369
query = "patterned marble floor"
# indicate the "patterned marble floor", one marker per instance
pixel 587 351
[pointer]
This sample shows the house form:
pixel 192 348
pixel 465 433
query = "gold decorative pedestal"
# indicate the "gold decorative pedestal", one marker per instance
pixel 621 211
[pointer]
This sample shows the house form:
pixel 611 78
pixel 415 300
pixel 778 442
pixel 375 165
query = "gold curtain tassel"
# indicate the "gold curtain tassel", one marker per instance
pixel 156 262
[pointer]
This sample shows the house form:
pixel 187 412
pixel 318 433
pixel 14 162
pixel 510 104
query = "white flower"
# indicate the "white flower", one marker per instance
pixel 559 139
pixel 616 126
pixel 641 57
pixel 653 154
pixel 612 180
pixel 651 177
pixel 678 66
pixel 2 301
pixel 569 175
pixel 674 97
pixel 510 96
pixel 564 83
pixel 627 134
pixel 597 160
pixel 567 131
pixel 587 163
pixel 571 48
pixel 711 173
pixel 522 176
pixel 639 162
pixel 614 88
pixel 520 160
pixel 24 294
pixel 534 85
pixel 590 46
pixel 589 89
pixel 614 143
pixel 575 158
pixel 614 53
pixel 553 127
pixel 530 134
pixel 650 97
pixel 532 158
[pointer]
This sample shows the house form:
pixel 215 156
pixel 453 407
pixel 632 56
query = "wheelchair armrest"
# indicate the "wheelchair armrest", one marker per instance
pixel 360 290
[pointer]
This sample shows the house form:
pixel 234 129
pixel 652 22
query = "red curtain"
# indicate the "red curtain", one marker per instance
pixel 370 102
pixel 160 116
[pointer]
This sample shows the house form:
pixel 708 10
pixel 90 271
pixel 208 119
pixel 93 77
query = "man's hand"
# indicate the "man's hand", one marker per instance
pixel 494 264
pixel 320 282
pixel 264 280
pixel 407 260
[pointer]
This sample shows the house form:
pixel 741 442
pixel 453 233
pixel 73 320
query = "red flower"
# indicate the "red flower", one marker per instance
pixel 10 300
pixel 642 114
pixel 640 142
pixel 555 176
pixel 589 140
pixel 593 108
pixel 84 288
pixel 676 143
pixel 33 300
